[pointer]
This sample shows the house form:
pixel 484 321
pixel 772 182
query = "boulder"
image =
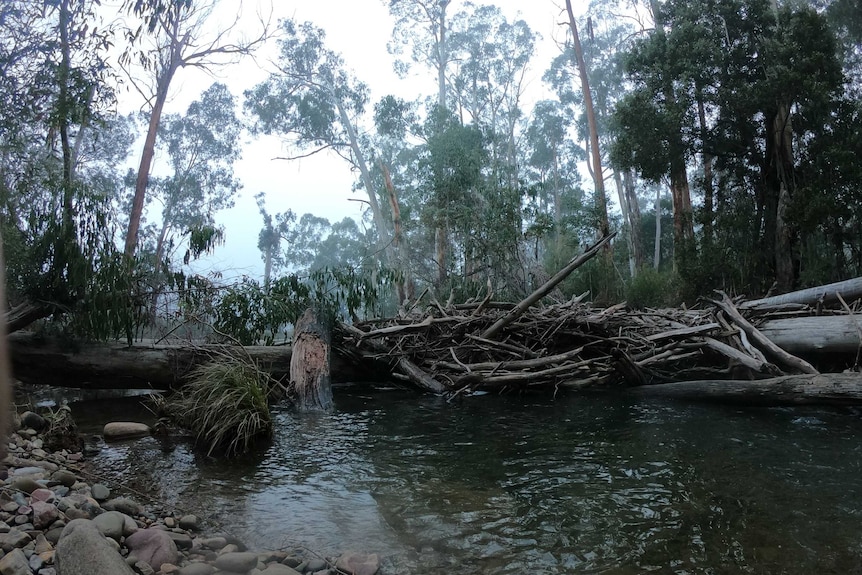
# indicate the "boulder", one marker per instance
pixel 119 430
pixel 83 550
pixel 34 420
pixel 44 514
pixel 13 540
pixel 63 477
pixel 189 522
pixel 100 492
pixel 111 524
pixel 182 540
pixel 238 562
pixel 15 563
pixel 153 546
pixel 123 505
pixel 26 484
pixel 358 563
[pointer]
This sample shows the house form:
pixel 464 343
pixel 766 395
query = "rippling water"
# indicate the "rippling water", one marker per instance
pixel 581 484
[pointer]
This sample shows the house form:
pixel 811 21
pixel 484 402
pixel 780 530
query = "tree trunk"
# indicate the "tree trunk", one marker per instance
pixel 706 158
pixel 657 243
pixel 598 177
pixel 310 378
pixel 627 225
pixel 849 289
pixel 836 334
pixel 398 247
pixel 822 389
pixel 633 217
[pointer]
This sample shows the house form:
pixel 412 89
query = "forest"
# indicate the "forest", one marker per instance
pixel 719 140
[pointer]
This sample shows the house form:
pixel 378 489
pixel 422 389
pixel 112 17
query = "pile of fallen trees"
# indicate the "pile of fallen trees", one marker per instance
pixel 790 348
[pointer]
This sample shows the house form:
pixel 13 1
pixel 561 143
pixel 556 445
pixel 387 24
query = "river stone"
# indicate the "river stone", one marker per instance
pixel 196 569
pixel 44 514
pixel 111 524
pixel 189 522
pixel 214 543
pixel 35 563
pixel 119 430
pixel 279 569
pixel 315 564
pixel 153 546
pixel 238 562
pixel 15 538
pixel 143 568
pixel 15 563
pixel 34 420
pixel 42 544
pixel 42 494
pixel 26 484
pixel 182 540
pixel 358 563
pixel 63 477
pixel 123 505
pixel 83 550
pixel 100 492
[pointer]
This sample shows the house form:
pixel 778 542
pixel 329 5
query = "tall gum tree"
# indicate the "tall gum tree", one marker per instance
pixel 314 103
pixel 181 38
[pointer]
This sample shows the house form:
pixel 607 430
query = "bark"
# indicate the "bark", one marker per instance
pixel 25 314
pixel 820 389
pixel 398 247
pixel 706 158
pixel 816 334
pixel 625 210
pixel 633 217
pixel 598 179
pixel 310 373
pixel 657 242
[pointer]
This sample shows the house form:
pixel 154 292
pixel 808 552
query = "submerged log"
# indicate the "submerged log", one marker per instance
pixel 807 389
pixel 310 379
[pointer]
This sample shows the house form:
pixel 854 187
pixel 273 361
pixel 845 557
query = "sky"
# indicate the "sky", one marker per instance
pixel 323 184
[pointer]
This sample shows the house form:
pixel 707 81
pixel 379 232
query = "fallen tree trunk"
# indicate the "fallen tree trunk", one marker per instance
pixel 849 290
pixel 820 389
pixel 146 366
pixel 816 334
pixel 24 314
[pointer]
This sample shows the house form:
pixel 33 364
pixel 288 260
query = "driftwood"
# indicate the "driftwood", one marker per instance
pixel 821 389
pixel 310 379
pixel 816 334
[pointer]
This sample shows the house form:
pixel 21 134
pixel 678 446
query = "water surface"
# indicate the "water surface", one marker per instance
pixel 514 485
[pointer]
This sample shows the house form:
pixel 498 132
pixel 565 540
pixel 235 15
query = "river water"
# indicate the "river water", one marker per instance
pixel 515 485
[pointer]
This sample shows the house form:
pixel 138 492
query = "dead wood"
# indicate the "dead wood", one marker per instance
pixel 310 378
pixel 850 289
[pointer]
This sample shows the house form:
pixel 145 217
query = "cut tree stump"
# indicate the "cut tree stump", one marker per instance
pixel 310 378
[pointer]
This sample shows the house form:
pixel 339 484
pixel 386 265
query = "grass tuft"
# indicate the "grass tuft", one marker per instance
pixel 224 404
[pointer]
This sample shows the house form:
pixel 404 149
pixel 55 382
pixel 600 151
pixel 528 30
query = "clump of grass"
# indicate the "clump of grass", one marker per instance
pixel 224 403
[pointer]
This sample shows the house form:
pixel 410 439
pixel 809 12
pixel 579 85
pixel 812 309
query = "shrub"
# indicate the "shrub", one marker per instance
pixel 651 288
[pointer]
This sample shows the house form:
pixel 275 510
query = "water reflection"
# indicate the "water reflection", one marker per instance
pixel 596 484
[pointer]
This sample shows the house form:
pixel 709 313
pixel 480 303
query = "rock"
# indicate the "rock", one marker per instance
pixel 13 539
pixel 279 569
pixel 229 548
pixel 182 540
pixel 44 514
pixel 169 568
pixel 144 568
pixel 42 494
pixel 35 562
pixel 214 543
pixel 130 526
pixel 100 492
pixel 15 563
pixel 153 546
pixel 33 420
pixel 123 505
pixel 189 522
pixel 111 524
pixel 53 535
pixel 315 564
pixel 64 477
pixel 238 562
pixel 358 563
pixel 119 430
pixel 196 569
pixel 26 484
pixel 83 550
pixel 42 544
pixel 170 522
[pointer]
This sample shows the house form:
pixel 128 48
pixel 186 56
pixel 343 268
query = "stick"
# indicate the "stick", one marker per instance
pixel 546 288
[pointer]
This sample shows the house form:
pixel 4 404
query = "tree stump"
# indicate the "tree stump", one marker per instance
pixel 310 378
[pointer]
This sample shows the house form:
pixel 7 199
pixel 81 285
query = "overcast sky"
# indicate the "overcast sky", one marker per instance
pixel 321 184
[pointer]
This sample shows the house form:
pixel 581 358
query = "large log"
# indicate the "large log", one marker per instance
pixel 806 389
pixel 816 334
pixel 849 290
pixel 145 365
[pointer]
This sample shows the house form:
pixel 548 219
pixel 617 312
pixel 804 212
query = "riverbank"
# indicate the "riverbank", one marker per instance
pixel 54 520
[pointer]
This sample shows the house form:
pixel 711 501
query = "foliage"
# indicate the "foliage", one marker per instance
pixel 224 403
pixel 652 289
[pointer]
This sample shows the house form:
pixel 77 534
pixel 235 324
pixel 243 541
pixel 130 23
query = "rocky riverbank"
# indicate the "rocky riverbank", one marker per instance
pixel 54 522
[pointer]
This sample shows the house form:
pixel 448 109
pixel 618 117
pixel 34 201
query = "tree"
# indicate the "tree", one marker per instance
pixel 313 102
pixel 179 40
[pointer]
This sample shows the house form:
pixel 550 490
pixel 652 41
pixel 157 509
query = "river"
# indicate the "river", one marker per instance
pixel 600 483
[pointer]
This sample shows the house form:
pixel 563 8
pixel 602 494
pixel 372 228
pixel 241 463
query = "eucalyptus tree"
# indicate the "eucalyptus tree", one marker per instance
pixel 315 104
pixel 182 34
